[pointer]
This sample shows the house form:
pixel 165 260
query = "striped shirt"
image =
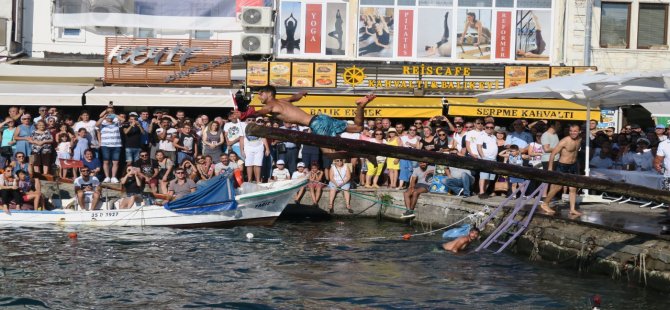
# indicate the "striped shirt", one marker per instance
pixel 110 135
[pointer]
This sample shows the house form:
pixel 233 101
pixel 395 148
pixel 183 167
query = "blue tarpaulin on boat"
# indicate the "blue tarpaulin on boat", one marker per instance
pixel 217 194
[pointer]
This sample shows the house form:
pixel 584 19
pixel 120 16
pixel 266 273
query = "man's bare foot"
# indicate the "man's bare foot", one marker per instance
pixel 362 102
pixel 575 213
pixel 547 210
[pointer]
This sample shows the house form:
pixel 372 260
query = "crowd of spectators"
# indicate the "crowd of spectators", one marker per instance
pixel 169 153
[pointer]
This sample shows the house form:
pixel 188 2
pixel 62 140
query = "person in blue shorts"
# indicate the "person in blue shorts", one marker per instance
pixel 321 124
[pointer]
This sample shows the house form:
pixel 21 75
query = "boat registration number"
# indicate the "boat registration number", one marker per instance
pixel 104 214
pixel 263 204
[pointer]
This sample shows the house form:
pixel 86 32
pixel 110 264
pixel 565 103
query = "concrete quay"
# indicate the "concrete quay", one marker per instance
pixel 621 241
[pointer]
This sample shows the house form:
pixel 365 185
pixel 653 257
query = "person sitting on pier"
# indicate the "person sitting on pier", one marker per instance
pixel 460 243
pixel 87 186
pixel 419 183
pixel 321 124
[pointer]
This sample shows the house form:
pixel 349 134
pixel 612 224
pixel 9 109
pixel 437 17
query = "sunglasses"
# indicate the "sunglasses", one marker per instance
pixel 144 155
pixel 179 172
pixel 442 135
pixel 459 126
pixel 468 127
pixel 82 171
pixel 20 156
pixel 25 119
pixel 417 123
pixel 490 127
pixel 379 134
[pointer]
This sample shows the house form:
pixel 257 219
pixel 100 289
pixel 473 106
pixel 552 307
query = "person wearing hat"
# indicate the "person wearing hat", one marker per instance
pixel 662 165
pixel 393 164
pixel 643 157
pixel 660 133
pixel 300 173
pixel 280 173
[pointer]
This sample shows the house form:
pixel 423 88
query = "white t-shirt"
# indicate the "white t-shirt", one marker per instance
pixel 220 168
pixel 251 143
pixel 351 135
pixel 233 130
pixel 489 146
pixel 166 145
pixel 406 140
pixel 279 175
pixel 458 137
pixel 299 175
pixel 92 181
pixel 664 150
pixel 552 140
pixel 91 129
pixel 475 138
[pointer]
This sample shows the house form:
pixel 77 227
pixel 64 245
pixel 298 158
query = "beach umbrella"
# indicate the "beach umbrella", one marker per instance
pixel 594 89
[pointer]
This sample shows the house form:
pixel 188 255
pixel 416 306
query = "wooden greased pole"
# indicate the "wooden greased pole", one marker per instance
pixel 367 148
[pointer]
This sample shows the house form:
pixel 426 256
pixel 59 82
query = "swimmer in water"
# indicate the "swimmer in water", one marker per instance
pixel 460 243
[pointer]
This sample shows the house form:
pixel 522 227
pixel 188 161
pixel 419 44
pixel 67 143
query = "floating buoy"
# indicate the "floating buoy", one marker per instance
pixel 250 236
pixel 72 235
pixel 406 236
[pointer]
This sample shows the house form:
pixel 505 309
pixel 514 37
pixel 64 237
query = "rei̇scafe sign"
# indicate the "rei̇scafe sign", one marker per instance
pixel 150 61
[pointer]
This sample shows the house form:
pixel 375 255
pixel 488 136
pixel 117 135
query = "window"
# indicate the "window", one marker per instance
pixel 476 3
pixel 614 24
pixel 202 35
pixel 377 2
pixel 652 25
pixel 444 3
pixel 71 32
pixel 505 3
pixel 407 2
pixel 71 35
pixel 534 4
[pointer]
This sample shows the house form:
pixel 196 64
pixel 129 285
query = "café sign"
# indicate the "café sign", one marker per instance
pixel 452 78
pixel 167 61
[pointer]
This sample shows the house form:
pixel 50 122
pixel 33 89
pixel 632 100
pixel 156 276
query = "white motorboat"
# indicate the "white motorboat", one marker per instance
pixel 216 203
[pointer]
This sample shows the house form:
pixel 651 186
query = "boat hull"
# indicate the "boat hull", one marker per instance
pixel 257 205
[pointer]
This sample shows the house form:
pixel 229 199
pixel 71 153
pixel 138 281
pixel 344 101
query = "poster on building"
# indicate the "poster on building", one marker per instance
pixel 560 71
pixel 436 42
pixel 375 38
pixel 289 25
pixel 336 28
pixel 325 74
pixel 533 35
pixel 515 75
pixel 313 28
pixel 257 73
pixel 537 74
pixel 608 118
pixel 503 34
pixel 473 32
pixel 280 74
pixel 302 74
pixel 662 120
pixel 405 33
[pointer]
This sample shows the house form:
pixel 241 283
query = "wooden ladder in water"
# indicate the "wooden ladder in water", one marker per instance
pixel 510 227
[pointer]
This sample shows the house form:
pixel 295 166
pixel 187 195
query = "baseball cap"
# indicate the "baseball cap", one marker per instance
pixel 392 130
pixel 260 118
pixel 301 164
pixel 645 140
pixel 280 162
pixel 659 126
pixel 133 114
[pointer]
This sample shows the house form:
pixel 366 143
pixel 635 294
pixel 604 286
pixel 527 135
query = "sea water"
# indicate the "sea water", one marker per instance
pixel 350 263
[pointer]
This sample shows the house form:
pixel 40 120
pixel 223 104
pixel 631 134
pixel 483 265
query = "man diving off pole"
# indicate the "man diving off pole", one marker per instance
pixel 321 124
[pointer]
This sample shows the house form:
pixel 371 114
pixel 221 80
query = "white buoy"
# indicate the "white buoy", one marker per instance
pixel 250 236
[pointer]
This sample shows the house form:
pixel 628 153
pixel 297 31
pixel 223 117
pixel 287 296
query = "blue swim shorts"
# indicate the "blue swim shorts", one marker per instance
pixel 325 125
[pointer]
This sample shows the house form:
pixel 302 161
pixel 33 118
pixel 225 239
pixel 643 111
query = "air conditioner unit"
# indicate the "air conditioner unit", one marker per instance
pixel 256 17
pixel 256 43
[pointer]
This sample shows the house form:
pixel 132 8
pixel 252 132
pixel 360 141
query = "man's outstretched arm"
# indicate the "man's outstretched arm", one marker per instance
pixel 297 96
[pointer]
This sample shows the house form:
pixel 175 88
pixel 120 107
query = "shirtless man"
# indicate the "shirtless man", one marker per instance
pixel 567 163
pixel 461 243
pixel 320 124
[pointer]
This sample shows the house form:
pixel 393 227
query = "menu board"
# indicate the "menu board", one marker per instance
pixel 560 71
pixel 280 74
pixel 537 74
pixel 325 74
pixel 584 69
pixel 515 75
pixel 303 74
pixel 257 73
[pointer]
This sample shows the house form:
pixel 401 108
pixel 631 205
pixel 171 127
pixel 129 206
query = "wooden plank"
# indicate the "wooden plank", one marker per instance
pixel 368 148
